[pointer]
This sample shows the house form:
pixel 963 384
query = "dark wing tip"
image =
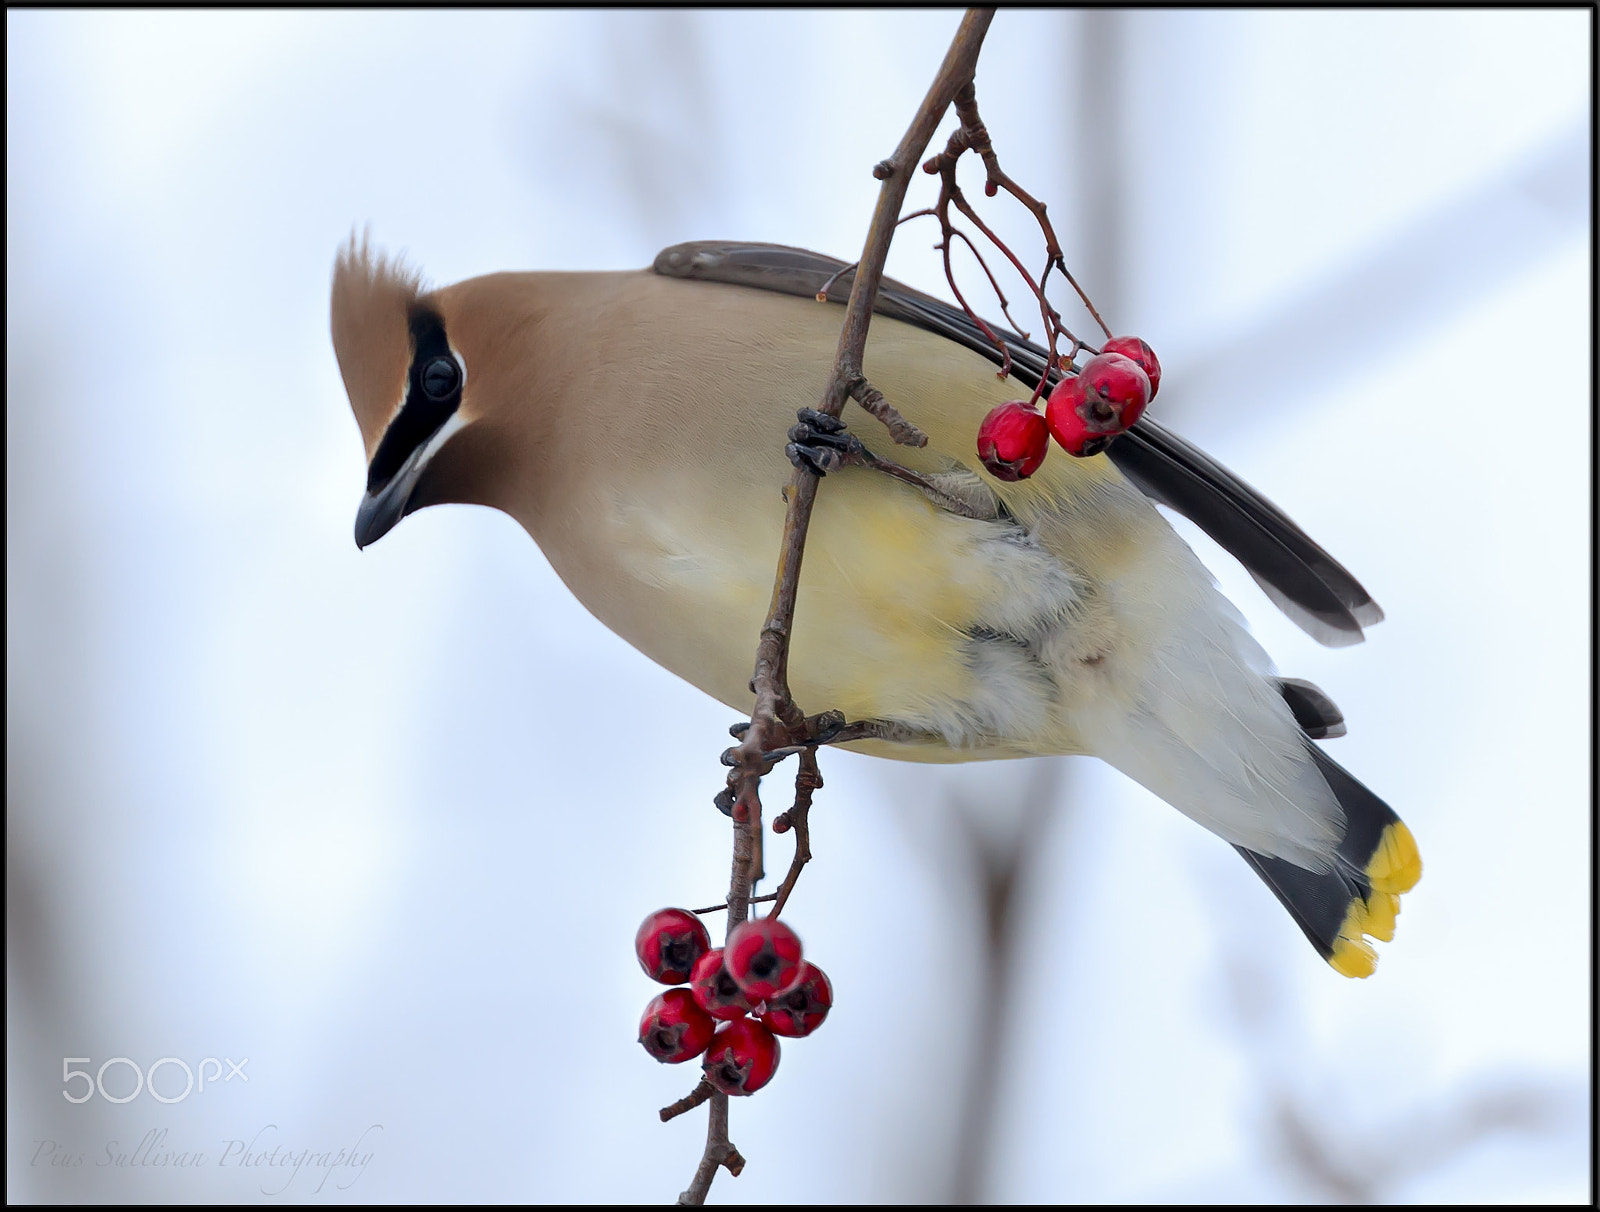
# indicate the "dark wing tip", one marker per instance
pixel 1312 588
pixel 1318 716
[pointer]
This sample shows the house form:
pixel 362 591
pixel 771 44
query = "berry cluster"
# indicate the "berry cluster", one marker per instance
pixel 1085 411
pixel 759 972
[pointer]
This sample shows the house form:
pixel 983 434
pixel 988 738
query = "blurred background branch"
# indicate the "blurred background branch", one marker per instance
pixel 1408 284
pixel 999 872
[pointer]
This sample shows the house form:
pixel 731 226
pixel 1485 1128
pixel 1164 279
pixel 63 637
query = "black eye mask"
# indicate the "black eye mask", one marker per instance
pixel 433 393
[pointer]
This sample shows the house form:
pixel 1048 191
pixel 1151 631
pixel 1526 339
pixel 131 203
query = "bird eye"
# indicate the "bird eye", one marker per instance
pixel 440 377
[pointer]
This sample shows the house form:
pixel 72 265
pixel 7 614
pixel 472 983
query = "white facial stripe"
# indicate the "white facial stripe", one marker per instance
pixel 443 434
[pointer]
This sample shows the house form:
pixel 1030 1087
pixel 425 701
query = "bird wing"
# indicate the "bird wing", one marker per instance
pixel 1302 579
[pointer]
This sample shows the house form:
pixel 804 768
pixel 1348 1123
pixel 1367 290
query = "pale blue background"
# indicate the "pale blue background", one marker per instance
pixel 370 819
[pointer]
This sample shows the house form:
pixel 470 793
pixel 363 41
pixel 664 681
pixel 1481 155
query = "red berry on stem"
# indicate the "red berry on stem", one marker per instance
pixel 715 991
pixel 742 1058
pixel 801 1010
pixel 1115 389
pixel 1133 347
pixel 763 956
pixel 1087 410
pixel 1013 441
pixel 674 1027
pixel 1067 426
pixel 668 943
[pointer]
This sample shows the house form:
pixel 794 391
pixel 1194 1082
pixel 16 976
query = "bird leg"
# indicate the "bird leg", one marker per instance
pixel 820 444
pixel 828 728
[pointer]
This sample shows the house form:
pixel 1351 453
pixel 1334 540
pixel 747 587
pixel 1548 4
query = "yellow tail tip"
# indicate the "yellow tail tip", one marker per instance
pixel 1374 916
pixel 1353 957
pixel 1379 919
pixel 1396 865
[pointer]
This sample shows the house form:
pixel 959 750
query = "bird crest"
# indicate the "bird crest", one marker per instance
pixel 373 298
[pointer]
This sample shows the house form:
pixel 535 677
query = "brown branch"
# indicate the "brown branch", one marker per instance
pixel 719 1152
pixel 689 1101
pixel 774 708
pixel 806 783
pixel 775 720
pixel 870 398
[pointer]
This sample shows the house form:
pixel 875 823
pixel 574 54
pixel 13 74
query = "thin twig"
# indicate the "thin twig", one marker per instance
pixel 689 1101
pixel 1052 317
pixel 1005 308
pixel 822 291
pixel 754 900
pixel 966 103
pixel 806 783
pixel 902 431
pixel 1005 350
pixel 1067 273
pixel 972 135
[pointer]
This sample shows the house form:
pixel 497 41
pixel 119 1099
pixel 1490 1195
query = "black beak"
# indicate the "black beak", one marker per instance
pixel 383 507
pixel 379 512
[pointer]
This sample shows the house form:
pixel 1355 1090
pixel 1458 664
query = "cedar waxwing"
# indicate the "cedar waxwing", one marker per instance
pixel 634 424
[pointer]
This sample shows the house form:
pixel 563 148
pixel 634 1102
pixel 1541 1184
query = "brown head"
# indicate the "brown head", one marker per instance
pixel 407 373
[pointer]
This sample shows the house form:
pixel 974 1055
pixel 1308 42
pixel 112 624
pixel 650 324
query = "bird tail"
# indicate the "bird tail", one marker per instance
pixel 1374 863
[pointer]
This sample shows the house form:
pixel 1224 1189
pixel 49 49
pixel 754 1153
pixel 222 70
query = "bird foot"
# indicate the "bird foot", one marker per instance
pixel 820 444
pixel 826 728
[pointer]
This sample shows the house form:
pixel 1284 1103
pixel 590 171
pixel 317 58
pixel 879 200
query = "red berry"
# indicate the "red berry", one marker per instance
pixel 1133 347
pixel 1115 389
pixel 801 1010
pixel 674 1027
pixel 715 991
pixel 763 955
pixel 1064 414
pixel 1086 411
pixel 1013 441
pixel 668 943
pixel 742 1058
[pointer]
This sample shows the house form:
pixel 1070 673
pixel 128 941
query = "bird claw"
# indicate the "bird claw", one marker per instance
pixel 820 443
pixel 825 728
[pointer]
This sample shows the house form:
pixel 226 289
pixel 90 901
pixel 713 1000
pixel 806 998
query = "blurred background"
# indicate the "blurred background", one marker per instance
pixel 354 818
